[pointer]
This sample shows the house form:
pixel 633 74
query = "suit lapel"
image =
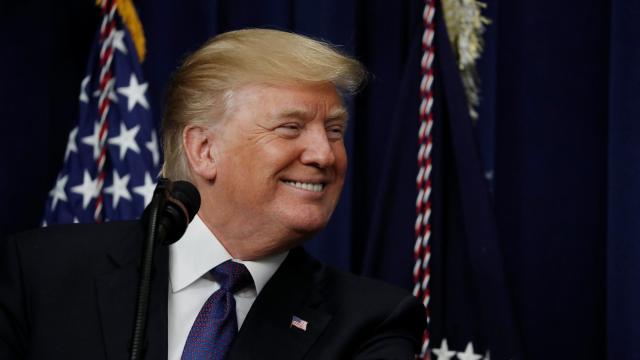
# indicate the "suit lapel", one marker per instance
pixel 292 291
pixel 117 289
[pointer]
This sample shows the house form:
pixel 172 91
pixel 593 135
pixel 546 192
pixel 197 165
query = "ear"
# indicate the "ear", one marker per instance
pixel 198 142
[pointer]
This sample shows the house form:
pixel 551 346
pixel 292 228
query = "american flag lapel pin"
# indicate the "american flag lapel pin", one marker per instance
pixel 298 323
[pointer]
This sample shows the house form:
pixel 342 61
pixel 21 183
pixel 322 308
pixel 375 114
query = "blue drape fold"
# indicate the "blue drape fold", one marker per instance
pixel 623 187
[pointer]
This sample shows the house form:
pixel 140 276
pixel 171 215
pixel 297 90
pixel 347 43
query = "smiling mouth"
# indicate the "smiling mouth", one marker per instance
pixel 315 187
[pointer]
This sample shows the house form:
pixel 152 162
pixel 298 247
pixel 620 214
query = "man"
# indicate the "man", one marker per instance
pixel 255 120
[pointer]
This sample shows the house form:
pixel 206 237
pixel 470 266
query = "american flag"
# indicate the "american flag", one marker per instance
pixel 296 322
pixel 112 157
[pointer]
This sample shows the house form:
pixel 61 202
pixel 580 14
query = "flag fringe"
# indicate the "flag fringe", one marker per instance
pixel 130 18
pixel 466 25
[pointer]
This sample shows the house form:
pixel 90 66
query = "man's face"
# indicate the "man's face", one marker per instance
pixel 280 158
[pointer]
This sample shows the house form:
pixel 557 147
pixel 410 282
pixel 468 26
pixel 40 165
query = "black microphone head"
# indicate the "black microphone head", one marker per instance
pixel 188 195
pixel 182 201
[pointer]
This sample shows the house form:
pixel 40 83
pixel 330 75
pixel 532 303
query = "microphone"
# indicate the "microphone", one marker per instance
pixel 179 203
pixel 173 206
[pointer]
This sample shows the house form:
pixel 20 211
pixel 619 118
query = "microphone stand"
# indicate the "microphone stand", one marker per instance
pixel 153 233
pixel 172 207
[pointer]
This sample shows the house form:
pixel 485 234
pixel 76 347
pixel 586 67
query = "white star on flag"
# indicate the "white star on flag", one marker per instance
pixel 146 190
pixel 126 140
pixel 72 146
pixel 110 92
pixel 152 146
pixel 118 41
pixel 119 188
pixel 83 89
pixel 92 140
pixel 488 175
pixel 135 93
pixel 469 354
pixel 58 193
pixel 88 189
pixel 443 352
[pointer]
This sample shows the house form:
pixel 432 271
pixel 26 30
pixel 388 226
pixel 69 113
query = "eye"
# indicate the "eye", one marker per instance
pixel 289 129
pixel 335 132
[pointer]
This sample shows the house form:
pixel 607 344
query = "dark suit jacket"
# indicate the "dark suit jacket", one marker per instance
pixel 68 292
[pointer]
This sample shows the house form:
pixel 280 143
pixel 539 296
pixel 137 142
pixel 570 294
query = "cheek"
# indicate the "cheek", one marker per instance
pixel 236 173
pixel 341 160
pixel 276 156
pixel 260 167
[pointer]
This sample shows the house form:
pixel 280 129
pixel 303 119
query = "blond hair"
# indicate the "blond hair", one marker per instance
pixel 199 90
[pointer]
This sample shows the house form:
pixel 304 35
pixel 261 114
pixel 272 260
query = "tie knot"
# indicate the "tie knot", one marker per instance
pixel 232 276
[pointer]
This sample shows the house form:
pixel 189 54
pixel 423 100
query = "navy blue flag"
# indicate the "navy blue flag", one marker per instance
pixel 472 316
pixel 110 170
pixel 471 313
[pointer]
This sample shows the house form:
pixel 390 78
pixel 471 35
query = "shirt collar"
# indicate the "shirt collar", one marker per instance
pixel 199 251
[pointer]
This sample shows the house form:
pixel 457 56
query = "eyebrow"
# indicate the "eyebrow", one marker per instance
pixel 339 113
pixel 293 113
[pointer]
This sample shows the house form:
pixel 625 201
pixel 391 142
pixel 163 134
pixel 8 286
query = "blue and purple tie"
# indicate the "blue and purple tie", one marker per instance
pixel 215 327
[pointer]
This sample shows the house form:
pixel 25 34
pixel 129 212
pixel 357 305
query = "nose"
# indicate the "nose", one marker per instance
pixel 317 149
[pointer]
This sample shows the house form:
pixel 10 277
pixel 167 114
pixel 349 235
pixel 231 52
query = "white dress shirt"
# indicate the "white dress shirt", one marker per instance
pixel 190 283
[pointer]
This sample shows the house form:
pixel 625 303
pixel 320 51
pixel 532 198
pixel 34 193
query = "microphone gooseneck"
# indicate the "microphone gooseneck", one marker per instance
pixel 173 206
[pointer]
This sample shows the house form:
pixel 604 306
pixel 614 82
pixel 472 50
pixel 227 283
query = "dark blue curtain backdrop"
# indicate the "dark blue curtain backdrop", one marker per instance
pixel 558 144
pixel 623 179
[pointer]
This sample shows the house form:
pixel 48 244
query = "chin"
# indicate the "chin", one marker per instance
pixel 305 220
pixel 307 225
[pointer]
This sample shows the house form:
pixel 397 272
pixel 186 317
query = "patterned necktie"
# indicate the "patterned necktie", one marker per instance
pixel 216 325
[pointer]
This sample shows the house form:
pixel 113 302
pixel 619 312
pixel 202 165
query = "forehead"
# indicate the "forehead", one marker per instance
pixel 289 100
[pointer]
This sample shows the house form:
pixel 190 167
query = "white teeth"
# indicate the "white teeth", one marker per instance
pixel 306 186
